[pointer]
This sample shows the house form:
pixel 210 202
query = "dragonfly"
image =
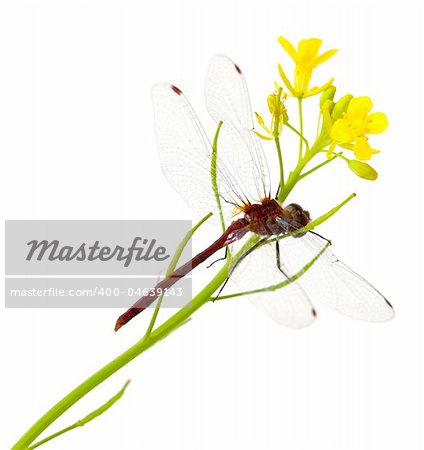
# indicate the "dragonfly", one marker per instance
pixel 244 197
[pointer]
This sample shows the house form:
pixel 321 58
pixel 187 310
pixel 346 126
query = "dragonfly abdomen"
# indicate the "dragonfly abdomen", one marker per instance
pixel 233 233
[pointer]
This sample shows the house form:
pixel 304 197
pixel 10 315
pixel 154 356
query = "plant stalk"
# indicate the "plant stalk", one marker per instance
pixel 178 319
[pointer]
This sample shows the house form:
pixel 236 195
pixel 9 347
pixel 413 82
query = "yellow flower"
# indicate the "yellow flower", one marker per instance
pixel 306 59
pixel 351 129
pixel 273 130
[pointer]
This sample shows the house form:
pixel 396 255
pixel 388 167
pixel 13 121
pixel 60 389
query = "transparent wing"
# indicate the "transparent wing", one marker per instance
pixel 185 153
pixel 289 306
pixel 332 282
pixel 227 100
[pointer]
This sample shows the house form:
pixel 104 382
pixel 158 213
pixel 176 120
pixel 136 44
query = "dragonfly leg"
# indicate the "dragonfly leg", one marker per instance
pixel 254 247
pixel 278 191
pixel 281 269
pixel 320 236
pixel 279 264
pixel 221 289
pixel 219 259
pixel 251 249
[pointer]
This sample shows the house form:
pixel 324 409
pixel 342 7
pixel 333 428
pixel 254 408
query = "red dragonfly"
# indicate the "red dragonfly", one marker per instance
pixel 243 180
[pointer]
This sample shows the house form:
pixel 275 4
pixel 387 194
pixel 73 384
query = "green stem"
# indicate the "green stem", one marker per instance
pixel 88 418
pixel 316 222
pixel 303 160
pixel 174 322
pixel 280 162
pixel 310 226
pixel 214 158
pixel 178 319
pixel 284 283
pixel 171 268
pixel 324 163
pixel 276 133
pixel 288 125
pixel 55 435
pixel 299 103
pixel 294 175
pixel 340 155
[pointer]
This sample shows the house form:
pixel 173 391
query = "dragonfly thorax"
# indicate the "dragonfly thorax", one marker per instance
pixel 270 218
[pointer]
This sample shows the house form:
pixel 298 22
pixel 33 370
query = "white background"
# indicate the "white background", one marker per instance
pixel 78 133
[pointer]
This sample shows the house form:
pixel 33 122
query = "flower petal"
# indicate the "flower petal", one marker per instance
pixel 317 89
pixel 288 47
pixel 263 125
pixel 287 82
pixel 325 56
pixel 358 108
pixel 341 132
pixel 271 101
pixel 265 138
pixel 308 50
pixel 260 120
pixel 377 122
pixel 362 150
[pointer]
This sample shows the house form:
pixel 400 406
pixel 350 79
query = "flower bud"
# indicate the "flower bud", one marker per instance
pixel 362 169
pixel 328 94
pixel 340 107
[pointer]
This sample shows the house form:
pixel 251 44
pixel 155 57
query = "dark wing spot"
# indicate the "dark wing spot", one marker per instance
pixel 176 90
pixel 389 304
pixel 314 313
pixel 237 68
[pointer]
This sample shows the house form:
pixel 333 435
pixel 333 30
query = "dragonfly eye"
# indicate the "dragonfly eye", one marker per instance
pixel 299 216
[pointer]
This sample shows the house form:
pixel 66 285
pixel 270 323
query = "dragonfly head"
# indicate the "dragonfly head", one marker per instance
pixel 299 217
